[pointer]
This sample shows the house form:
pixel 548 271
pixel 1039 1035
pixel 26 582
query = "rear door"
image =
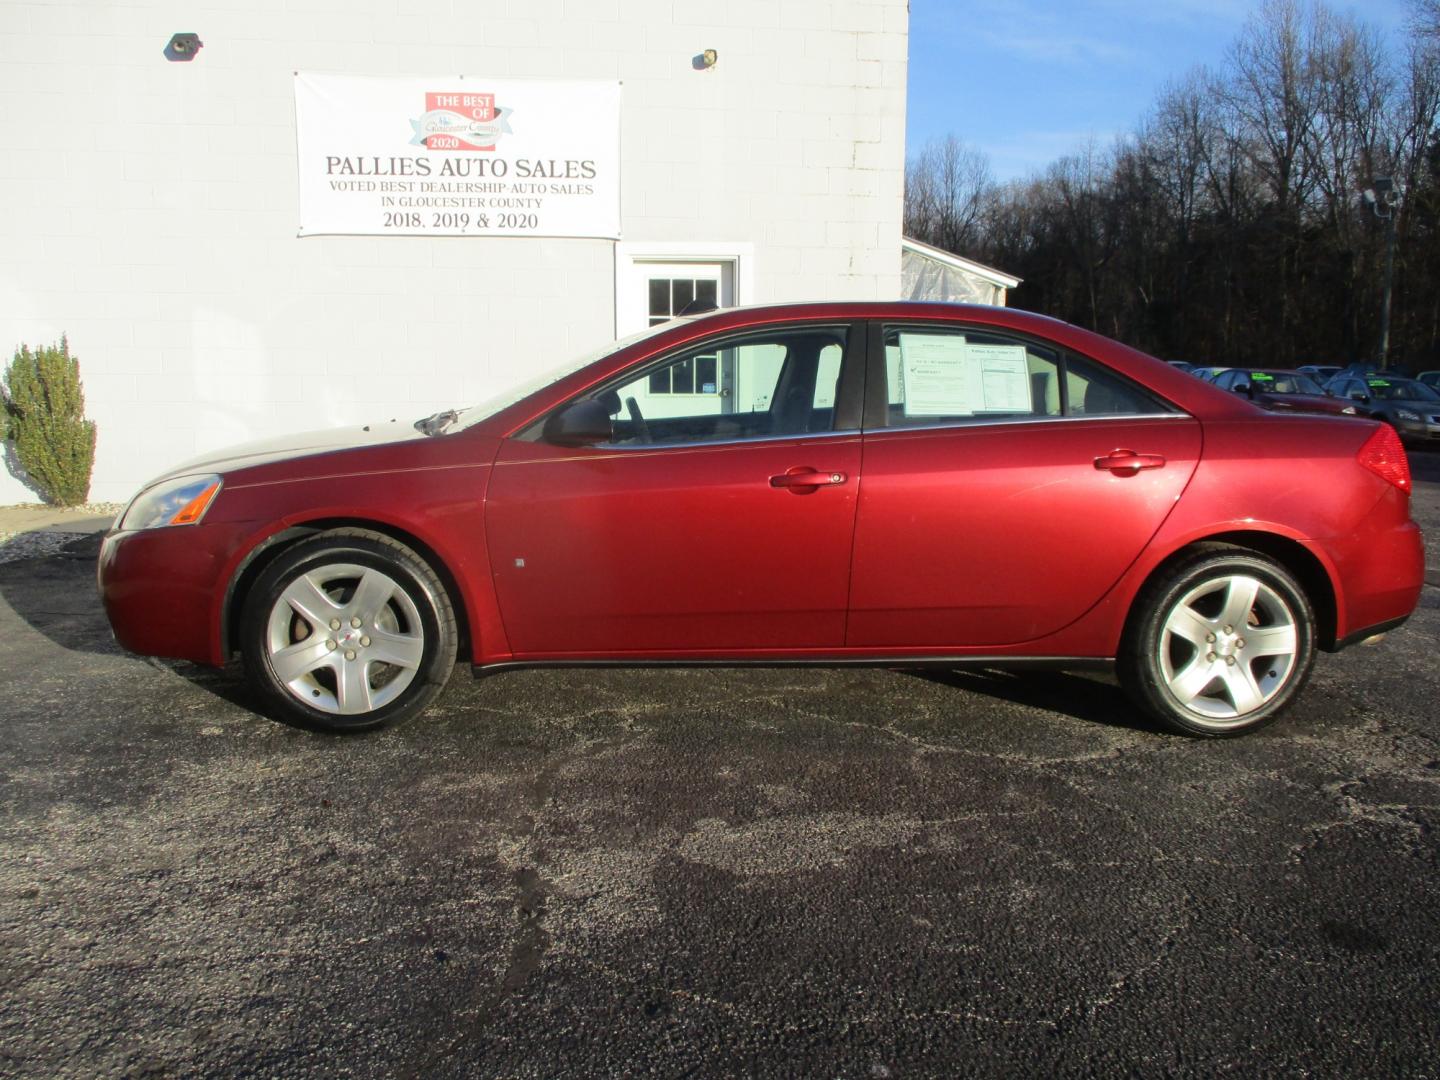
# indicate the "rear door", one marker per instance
pixel 1008 485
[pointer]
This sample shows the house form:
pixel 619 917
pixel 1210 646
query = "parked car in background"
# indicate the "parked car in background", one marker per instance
pixel 1207 373
pixel 1410 407
pixel 1321 373
pixel 1277 388
pixel 891 484
pixel 1430 379
pixel 1181 365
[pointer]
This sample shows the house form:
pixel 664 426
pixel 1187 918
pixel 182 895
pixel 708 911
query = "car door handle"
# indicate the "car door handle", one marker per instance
pixel 1128 462
pixel 805 477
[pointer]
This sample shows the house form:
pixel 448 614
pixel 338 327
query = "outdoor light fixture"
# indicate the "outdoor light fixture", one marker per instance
pixel 705 60
pixel 183 47
pixel 1386 191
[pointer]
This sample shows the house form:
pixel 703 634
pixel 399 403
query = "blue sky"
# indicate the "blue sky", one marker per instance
pixel 1027 81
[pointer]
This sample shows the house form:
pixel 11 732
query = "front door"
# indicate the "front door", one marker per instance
pixel 696 529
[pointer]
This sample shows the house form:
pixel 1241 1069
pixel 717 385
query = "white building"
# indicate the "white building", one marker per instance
pixel 151 203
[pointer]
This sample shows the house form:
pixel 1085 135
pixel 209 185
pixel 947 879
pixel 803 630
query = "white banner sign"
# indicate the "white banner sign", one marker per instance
pixel 457 156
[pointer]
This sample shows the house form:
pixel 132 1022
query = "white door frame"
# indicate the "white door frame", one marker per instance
pixel 631 301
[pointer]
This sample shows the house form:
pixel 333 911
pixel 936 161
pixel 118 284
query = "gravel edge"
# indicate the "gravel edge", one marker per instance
pixel 35 545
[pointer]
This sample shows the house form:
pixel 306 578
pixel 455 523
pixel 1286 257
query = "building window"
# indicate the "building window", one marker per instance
pixel 655 281
pixel 672 296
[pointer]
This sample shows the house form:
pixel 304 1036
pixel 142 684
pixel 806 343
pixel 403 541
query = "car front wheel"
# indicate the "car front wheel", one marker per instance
pixel 348 630
pixel 1219 643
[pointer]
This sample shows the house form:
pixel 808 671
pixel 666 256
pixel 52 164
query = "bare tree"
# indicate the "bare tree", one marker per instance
pixel 1080 185
pixel 1412 149
pixel 947 187
pixel 1425 18
pixel 1347 137
pixel 1345 144
pixel 1274 90
pixel 1411 122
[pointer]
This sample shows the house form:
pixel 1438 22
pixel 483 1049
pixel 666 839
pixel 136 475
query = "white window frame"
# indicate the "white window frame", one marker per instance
pixel 739 258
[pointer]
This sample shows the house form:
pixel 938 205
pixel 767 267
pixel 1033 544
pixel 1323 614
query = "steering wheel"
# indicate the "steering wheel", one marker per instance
pixel 642 429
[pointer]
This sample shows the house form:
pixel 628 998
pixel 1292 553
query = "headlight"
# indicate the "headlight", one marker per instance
pixel 181 501
pixel 1406 414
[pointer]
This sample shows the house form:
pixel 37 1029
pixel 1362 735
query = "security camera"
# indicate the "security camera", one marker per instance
pixel 183 47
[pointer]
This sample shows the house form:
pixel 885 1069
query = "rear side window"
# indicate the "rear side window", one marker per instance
pixel 954 376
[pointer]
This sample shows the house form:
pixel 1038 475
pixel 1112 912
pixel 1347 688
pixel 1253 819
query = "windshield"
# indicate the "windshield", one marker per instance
pixel 1400 390
pixel 1278 382
pixel 473 414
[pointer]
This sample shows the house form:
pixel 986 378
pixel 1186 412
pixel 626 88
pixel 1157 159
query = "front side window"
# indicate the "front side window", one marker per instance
pixel 952 375
pixel 770 384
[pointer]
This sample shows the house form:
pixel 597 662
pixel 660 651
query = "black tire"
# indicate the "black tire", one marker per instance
pixel 1183 628
pixel 353 668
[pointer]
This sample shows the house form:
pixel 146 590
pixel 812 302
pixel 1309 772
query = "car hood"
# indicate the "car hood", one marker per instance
pixel 303 444
pixel 1430 408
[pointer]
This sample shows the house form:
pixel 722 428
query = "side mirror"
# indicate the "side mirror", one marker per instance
pixel 1359 395
pixel 1242 388
pixel 581 423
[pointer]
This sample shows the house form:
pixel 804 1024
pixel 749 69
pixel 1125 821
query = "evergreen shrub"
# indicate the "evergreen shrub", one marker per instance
pixel 45 417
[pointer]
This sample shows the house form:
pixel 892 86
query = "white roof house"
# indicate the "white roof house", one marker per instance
pixel 930 273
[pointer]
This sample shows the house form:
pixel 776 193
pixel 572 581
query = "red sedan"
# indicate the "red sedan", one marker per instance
pixel 886 484
pixel 1282 389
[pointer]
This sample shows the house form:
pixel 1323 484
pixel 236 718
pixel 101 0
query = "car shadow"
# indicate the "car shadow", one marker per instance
pixel 55 595
pixel 1086 698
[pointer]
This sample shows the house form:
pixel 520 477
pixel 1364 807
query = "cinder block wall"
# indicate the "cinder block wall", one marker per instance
pixel 148 208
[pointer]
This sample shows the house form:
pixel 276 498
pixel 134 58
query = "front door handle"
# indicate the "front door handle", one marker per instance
pixel 1128 462
pixel 803 479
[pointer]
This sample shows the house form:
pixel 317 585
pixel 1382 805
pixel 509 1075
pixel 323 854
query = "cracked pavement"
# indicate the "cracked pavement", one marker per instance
pixel 767 872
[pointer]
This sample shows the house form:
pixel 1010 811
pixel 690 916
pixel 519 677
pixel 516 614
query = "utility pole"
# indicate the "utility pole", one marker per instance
pixel 1386 193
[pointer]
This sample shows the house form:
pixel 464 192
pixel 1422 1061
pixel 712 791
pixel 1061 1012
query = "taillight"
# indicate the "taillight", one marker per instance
pixel 1383 455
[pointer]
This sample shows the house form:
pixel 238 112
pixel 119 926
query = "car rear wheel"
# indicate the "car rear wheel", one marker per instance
pixel 348 630
pixel 1219 643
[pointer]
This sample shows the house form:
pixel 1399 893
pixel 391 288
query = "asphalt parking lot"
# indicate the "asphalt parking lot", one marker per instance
pixel 840 873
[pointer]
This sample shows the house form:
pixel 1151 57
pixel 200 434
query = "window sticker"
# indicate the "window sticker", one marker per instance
pixel 1004 377
pixel 1379 382
pixel 944 375
pixel 1261 376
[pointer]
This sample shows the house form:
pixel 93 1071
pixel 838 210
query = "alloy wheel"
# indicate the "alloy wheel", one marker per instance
pixel 345 639
pixel 1227 647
